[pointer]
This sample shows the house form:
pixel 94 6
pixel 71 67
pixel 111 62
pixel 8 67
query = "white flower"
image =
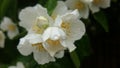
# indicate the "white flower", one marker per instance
pixel 74 29
pixel 68 20
pixel 33 43
pixel 81 5
pixel 46 37
pixel 53 37
pixel 2 39
pixel 11 28
pixel 97 4
pixel 19 65
pixel 35 19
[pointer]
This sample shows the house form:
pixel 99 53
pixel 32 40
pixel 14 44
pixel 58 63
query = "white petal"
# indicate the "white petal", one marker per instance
pixel 12 34
pixel 46 34
pixel 42 57
pixel 53 49
pixel 69 44
pixel 60 54
pixel 2 39
pixel 77 29
pixel 5 23
pixel 86 1
pixel 34 38
pixel 53 33
pixel 28 15
pixel 72 14
pixel 60 9
pixel 71 3
pixel 20 65
pixel 12 67
pixel 84 12
pixel 105 3
pixel 24 47
pixel 94 8
pixel 58 21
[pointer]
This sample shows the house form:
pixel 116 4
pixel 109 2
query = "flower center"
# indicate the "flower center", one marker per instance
pixel 79 5
pixel 53 16
pixel 96 1
pixel 11 27
pixel 41 23
pixel 66 27
pixel 39 46
pixel 53 42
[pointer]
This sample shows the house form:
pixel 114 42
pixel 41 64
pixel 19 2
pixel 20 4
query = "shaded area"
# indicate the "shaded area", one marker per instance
pixel 106 46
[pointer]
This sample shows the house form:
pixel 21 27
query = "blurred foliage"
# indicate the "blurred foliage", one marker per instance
pixel 102 20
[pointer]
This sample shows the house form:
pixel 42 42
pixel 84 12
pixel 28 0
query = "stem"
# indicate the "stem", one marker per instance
pixel 75 59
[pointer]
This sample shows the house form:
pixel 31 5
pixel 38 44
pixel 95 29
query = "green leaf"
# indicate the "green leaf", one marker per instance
pixel 8 8
pixel 50 5
pixel 4 5
pixel 83 47
pixel 100 17
pixel 75 59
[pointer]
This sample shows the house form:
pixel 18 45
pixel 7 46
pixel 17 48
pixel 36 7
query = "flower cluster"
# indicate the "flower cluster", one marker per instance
pixel 48 36
pixel 84 5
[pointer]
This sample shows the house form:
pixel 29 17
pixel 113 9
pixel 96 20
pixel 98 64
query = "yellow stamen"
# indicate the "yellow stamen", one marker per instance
pixel 66 27
pixel 53 16
pixel 40 24
pixel 79 5
pixel 53 42
pixel 96 1
pixel 39 46
pixel 11 27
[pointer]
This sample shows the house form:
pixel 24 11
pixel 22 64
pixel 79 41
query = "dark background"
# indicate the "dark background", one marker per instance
pixel 105 45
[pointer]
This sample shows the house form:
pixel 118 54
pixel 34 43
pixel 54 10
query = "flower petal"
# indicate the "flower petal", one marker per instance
pixel 28 15
pixel 20 65
pixel 12 34
pixel 60 54
pixel 105 3
pixel 34 38
pixel 12 67
pixel 77 27
pixel 2 39
pixel 24 47
pixel 4 24
pixel 68 43
pixel 42 57
pixel 52 48
pixel 60 9
pixel 84 11
pixel 94 8
pixel 58 21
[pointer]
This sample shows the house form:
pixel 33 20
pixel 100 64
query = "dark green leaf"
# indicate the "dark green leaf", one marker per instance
pixel 100 17
pixel 83 47
pixel 50 5
pixel 75 59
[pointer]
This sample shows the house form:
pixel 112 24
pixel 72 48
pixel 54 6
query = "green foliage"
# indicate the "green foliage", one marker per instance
pixel 102 20
pixel 83 47
pixel 8 8
pixel 50 5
